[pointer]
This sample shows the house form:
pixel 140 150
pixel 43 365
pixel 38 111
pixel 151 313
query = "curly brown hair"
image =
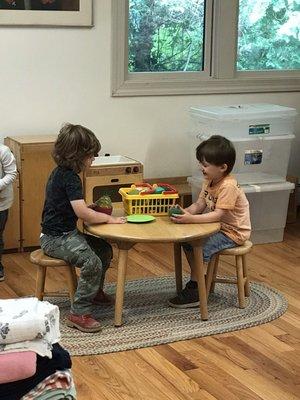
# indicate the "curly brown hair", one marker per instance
pixel 74 145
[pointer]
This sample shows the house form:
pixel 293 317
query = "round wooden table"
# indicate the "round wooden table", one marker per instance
pixel 161 230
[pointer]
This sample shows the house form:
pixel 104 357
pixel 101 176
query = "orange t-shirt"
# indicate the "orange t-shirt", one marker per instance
pixel 228 196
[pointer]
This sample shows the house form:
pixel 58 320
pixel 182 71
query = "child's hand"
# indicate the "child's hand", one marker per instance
pixel 185 218
pixel 92 206
pixel 117 220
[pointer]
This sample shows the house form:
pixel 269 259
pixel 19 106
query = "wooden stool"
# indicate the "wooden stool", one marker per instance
pixel 241 271
pixel 42 261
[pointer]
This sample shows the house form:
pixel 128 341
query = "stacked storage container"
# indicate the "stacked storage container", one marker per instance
pixel 262 135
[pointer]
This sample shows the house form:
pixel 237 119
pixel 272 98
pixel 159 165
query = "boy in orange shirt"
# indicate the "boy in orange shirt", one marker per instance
pixel 224 201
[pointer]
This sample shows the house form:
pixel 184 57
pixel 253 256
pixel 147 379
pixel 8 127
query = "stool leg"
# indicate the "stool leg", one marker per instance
pixel 245 273
pixel 178 267
pixel 71 282
pixel 210 274
pixel 40 282
pixel 240 281
pixel 216 265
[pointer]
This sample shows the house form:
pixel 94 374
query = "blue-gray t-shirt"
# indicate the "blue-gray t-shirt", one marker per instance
pixel 63 186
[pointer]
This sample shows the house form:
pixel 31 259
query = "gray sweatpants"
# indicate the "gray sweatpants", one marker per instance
pixel 89 253
pixel 3 220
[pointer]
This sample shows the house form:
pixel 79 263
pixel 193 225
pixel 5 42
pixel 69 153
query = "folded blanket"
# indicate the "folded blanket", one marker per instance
pixel 42 347
pixel 61 382
pixel 58 394
pixel 27 319
pixel 16 366
pixel 60 360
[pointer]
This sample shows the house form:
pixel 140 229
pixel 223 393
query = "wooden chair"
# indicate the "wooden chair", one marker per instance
pixel 42 261
pixel 241 280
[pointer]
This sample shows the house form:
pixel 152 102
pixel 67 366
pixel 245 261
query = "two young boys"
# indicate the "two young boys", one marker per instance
pixel 74 150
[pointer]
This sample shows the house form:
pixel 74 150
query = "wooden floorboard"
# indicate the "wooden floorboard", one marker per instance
pixel 262 362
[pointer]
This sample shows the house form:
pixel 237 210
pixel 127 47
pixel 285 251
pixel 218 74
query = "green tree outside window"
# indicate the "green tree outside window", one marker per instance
pixel 166 35
pixel 268 36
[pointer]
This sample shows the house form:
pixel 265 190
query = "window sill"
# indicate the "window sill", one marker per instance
pixel 145 85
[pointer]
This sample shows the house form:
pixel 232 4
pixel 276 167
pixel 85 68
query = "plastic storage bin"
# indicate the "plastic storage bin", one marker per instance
pixel 268 208
pixel 243 120
pixel 258 159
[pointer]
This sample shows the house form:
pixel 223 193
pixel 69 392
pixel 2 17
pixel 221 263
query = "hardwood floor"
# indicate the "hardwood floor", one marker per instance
pixel 257 363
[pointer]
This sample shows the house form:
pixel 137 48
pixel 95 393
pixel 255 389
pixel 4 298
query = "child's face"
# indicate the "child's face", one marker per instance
pixel 211 171
pixel 88 161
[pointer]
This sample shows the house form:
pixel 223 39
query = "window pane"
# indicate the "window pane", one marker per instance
pixel 165 35
pixel 268 36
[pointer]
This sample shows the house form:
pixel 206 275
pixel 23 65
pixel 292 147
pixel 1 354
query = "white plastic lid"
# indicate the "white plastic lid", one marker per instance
pixel 269 187
pixel 243 111
pixel 251 139
pixel 250 188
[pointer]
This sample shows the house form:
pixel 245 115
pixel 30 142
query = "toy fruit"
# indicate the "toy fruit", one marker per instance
pixel 134 192
pixel 104 205
pixel 159 190
pixel 175 210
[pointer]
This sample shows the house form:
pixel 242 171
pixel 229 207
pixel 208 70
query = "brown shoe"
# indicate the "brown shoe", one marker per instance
pixel 103 298
pixel 84 323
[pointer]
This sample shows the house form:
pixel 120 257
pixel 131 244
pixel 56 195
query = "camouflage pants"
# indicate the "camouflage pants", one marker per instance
pixel 89 253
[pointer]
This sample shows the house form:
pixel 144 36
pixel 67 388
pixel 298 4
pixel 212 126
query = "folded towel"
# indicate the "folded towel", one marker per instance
pixel 60 360
pixel 59 382
pixel 24 319
pixel 16 366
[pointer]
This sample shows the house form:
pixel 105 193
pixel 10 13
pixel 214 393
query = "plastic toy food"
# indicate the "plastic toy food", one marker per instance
pixel 159 190
pixel 175 210
pixel 144 198
pixel 104 205
pixel 134 192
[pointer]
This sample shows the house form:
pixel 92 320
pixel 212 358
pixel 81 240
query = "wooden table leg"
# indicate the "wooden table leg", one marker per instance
pixel 198 260
pixel 178 267
pixel 122 266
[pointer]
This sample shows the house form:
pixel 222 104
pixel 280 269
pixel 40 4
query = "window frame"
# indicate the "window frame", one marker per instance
pixel 219 75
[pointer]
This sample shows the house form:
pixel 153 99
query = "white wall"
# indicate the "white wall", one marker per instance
pixel 54 75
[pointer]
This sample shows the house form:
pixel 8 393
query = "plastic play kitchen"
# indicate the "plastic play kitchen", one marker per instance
pixel 143 198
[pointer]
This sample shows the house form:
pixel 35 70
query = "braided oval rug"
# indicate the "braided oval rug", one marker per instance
pixel 149 321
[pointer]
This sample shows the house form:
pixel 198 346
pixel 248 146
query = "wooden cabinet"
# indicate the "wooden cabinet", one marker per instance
pixel 34 164
pixel 12 237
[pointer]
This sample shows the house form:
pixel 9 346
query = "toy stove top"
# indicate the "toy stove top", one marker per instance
pixel 114 165
pixel 113 160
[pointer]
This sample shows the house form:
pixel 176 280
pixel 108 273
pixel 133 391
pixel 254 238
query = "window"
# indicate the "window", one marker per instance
pixel 166 35
pixel 269 33
pixel 163 47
